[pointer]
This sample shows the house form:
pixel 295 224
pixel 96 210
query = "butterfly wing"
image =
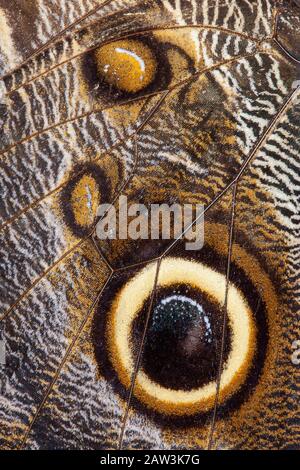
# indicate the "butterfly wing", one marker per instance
pixel 94 358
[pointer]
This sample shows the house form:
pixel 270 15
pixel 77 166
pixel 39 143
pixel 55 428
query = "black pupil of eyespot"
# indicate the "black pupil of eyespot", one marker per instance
pixel 182 345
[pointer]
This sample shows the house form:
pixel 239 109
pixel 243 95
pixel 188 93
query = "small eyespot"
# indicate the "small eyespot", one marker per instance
pixel 81 197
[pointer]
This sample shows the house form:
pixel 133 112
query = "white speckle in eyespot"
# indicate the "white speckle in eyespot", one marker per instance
pixel 176 300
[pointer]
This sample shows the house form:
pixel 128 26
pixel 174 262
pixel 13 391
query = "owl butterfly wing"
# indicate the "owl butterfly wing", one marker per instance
pixel 143 343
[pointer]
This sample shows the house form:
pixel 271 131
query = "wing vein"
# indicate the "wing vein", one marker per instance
pixel 63 362
pixel 138 359
pixel 41 277
pixel 225 314
pixel 95 110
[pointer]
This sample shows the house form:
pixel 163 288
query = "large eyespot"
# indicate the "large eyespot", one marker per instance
pixel 177 378
pixel 180 359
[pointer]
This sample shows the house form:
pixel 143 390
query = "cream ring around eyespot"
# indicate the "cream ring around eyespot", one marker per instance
pixel 174 271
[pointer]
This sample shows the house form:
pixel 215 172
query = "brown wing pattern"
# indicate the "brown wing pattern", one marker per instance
pixel 142 344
